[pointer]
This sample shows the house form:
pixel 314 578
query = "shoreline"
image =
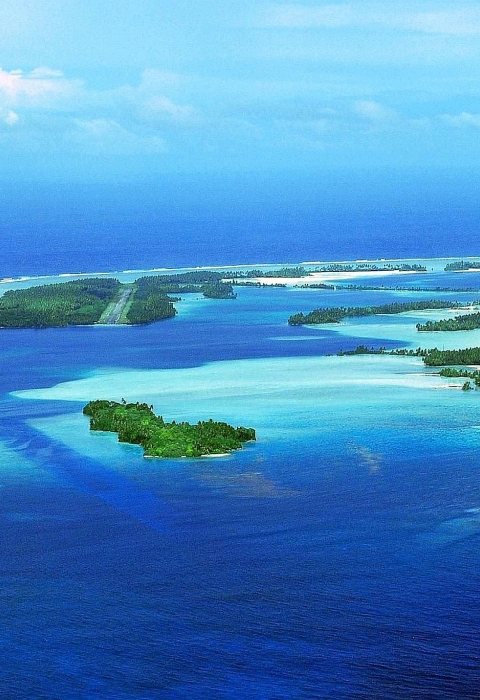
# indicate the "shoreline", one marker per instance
pixel 157 270
pixel 317 277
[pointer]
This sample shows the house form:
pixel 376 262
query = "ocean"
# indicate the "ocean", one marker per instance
pixel 335 557
pixel 184 222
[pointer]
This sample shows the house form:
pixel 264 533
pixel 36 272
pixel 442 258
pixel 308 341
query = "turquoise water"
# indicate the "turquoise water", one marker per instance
pixel 336 557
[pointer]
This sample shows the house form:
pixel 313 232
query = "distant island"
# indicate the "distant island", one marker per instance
pixel 106 300
pixel 137 424
pixel 336 314
pixel 462 266
pixel 372 267
pixel 301 271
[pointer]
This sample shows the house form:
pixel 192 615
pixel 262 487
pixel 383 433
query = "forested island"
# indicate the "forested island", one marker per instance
pixel 466 356
pixel 106 300
pixel 465 322
pixel 462 265
pixel 336 314
pixel 302 271
pixel 80 302
pixel 137 424
pixel 371 267
pixel 297 271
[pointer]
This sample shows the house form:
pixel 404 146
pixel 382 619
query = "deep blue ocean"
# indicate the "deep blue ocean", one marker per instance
pixel 183 222
pixel 335 558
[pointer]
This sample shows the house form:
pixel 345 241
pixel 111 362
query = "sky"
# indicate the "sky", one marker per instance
pixel 105 89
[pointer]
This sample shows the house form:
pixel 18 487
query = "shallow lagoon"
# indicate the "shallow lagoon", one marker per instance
pixel 335 557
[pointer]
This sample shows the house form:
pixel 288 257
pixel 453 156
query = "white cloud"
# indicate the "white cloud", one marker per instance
pixel 108 136
pixel 160 107
pixel 301 16
pixel 463 21
pixel 462 120
pixel 40 88
pixel 373 111
pixel 9 117
pixel 148 101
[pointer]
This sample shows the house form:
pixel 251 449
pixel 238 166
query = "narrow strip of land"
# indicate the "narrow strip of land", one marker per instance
pixel 113 316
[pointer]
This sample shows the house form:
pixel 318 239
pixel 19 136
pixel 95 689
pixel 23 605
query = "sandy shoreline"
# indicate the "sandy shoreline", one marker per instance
pixel 326 277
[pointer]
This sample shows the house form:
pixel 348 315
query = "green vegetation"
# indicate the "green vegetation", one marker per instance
pixel 301 271
pixel 297 271
pixel 461 373
pixel 460 265
pixel 218 290
pixel 466 322
pixel 364 350
pixel 150 302
pixel 336 314
pixel 371 267
pixel 80 302
pixel 437 358
pixel 136 424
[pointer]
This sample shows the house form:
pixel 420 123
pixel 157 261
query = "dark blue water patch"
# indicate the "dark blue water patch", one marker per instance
pixel 243 600
pixel 87 475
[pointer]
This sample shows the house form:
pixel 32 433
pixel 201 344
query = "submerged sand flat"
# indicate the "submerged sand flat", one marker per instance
pixel 242 377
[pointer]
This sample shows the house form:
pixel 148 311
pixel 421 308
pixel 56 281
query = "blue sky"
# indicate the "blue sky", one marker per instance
pixel 122 88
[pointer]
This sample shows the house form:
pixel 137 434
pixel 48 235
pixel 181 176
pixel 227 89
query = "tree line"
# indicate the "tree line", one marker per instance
pixel 336 314
pixel 460 265
pixel 464 322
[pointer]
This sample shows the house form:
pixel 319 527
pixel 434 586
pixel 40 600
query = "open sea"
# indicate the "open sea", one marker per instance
pixel 335 558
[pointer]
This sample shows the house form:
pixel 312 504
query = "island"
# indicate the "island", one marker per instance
pixel 137 424
pixel 465 356
pixel 299 271
pixel 372 267
pixel 465 322
pixel 106 300
pixel 336 314
pixel 462 266
pixel 80 302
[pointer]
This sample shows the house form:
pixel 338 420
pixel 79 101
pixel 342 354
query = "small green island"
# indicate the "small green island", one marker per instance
pixel 137 424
